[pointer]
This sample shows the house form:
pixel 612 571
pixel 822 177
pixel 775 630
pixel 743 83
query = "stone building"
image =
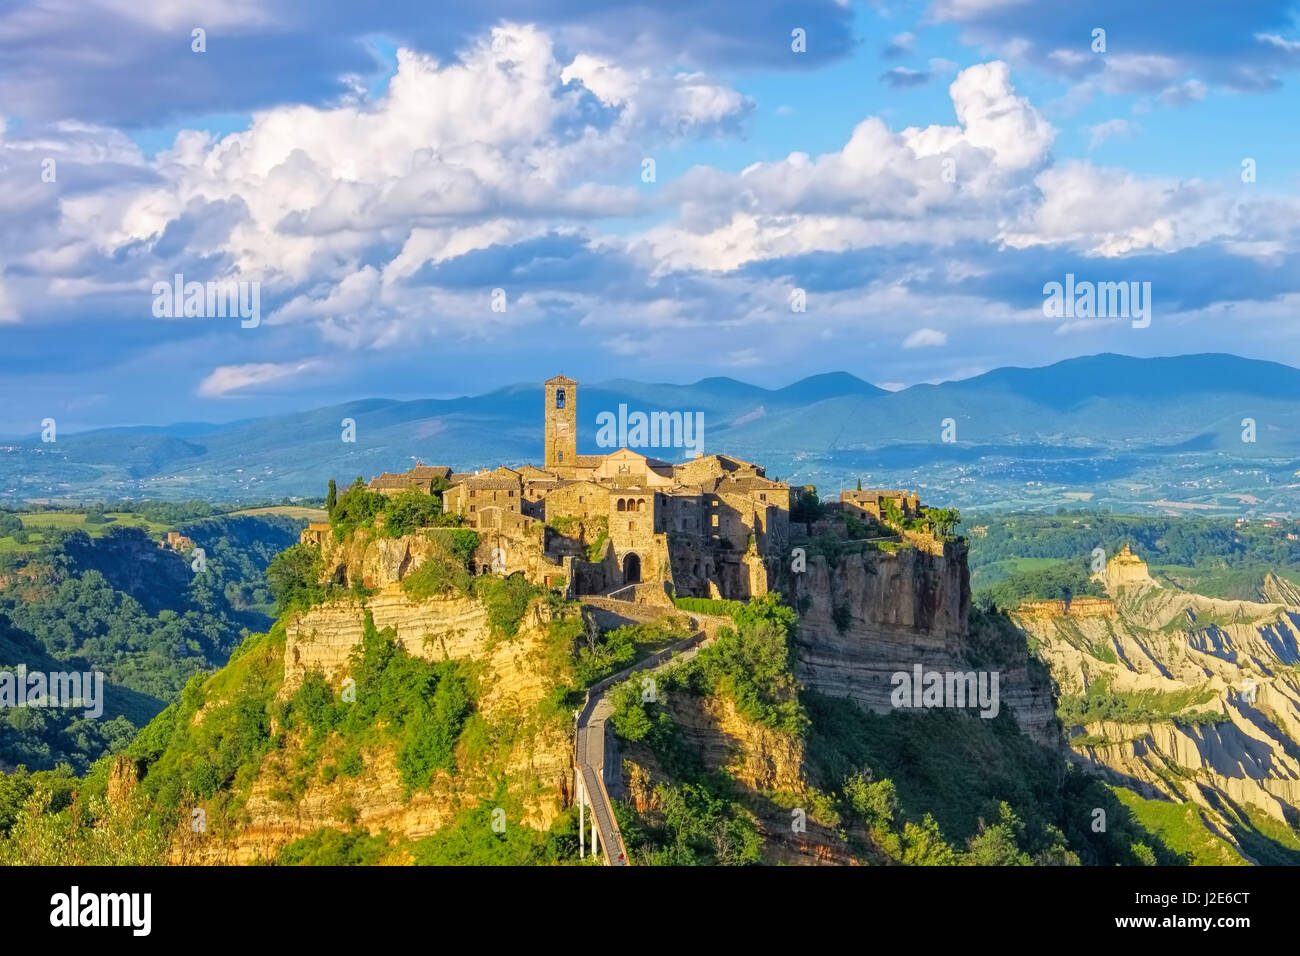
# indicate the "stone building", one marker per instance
pixel 872 502
pixel 620 522
pixel 315 533
pixel 421 477
pixel 706 527
pixel 471 494
pixel 177 542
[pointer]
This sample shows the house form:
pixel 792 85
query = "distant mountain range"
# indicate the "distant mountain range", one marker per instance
pixel 1106 430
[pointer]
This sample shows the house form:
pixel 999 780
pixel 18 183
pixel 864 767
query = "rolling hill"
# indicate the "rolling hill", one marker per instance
pixel 1155 433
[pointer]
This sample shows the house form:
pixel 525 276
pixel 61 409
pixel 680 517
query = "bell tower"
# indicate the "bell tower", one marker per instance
pixel 561 422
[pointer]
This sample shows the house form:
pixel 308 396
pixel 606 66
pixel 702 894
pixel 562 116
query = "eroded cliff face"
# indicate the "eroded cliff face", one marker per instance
pixel 1236 659
pixel 897 611
pixel 763 762
pixel 366 558
pixel 323 637
pixel 530 752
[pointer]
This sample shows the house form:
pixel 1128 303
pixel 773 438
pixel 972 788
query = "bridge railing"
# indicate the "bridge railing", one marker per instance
pixel 580 735
pixel 610 859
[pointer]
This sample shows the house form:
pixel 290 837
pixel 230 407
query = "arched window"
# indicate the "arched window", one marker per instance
pixel 640 504
pixel 559 398
pixel 622 505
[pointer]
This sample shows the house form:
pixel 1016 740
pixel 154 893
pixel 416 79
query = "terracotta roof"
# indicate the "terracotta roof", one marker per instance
pixel 430 471
pixel 488 481
pixel 750 483
pixel 387 480
pixel 632 453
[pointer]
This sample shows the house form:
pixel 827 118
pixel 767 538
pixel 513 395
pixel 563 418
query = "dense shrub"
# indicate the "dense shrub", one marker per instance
pixel 753 664
pixel 294 578
pixel 327 847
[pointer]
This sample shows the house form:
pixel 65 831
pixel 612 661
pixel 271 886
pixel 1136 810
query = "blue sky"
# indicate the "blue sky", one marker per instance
pixel 919 171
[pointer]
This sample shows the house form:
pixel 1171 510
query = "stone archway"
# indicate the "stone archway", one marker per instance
pixel 632 568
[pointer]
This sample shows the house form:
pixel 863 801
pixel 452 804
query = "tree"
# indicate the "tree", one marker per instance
pixel 331 498
pixel 924 845
pixel 356 507
pixel 943 520
pixel 859 484
pixel 751 664
pixel 1144 855
pixel 807 506
pixel 294 576
pixel 893 514
pixel 410 510
pixel 996 845
pixel 876 802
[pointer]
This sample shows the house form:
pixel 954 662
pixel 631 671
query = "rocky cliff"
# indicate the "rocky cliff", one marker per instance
pixel 530 749
pixel 872 615
pixel 863 618
pixel 367 558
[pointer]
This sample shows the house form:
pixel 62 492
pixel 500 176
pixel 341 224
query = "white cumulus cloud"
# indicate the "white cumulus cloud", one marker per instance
pixel 230 378
pixel 925 338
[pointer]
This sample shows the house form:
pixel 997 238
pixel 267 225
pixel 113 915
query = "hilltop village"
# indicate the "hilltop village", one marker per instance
pixel 715 526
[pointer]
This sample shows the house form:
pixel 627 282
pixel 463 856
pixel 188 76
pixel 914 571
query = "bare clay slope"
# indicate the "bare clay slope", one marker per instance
pixel 1208 693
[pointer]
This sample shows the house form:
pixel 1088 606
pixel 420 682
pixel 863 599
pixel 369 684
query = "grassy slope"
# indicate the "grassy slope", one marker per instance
pixel 1182 828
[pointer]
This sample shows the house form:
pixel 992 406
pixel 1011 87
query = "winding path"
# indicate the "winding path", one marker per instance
pixel 592 730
